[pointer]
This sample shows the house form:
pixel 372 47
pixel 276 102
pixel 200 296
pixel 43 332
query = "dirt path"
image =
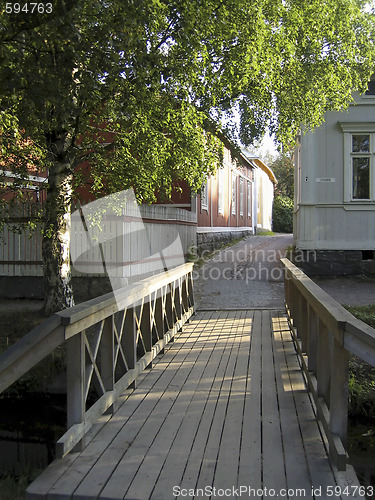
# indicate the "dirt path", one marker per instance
pixel 349 290
pixel 247 275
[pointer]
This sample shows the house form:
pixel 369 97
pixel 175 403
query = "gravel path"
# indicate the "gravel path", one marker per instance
pixel 247 275
pixel 349 290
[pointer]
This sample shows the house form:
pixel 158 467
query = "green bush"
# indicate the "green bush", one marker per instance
pixel 361 389
pixel 362 375
pixel 282 215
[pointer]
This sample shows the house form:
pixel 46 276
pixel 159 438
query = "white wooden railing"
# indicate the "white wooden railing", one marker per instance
pixel 110 340
pixel 325 335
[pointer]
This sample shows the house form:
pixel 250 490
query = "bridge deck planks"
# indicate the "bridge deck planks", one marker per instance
pixel 224 407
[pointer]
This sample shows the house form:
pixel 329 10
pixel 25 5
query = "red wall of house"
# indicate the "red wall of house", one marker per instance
pixel 210 216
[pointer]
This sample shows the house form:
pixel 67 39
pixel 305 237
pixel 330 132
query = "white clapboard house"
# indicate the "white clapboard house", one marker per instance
pixel 334 225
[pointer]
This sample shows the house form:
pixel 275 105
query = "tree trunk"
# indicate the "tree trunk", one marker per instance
pixel 56 238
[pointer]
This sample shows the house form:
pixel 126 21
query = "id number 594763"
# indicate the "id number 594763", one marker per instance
pixel 28 8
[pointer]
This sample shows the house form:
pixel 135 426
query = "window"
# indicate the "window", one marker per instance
pixel 371 87
pixel 234 185
pixel 204 197
pixel 361 166
pixel 220 175
pixel 241 196
pixel 359 162
pixel 249 198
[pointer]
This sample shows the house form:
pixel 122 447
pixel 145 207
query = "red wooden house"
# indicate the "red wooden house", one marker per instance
pixel 226 205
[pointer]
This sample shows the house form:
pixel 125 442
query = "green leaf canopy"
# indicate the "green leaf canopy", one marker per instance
pixel 158 77
pixel 138 92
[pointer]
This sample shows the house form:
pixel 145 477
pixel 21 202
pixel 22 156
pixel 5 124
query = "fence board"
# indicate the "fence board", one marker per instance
pixel 146 239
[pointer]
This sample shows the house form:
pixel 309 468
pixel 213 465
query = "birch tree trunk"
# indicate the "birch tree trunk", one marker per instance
pixel 58 293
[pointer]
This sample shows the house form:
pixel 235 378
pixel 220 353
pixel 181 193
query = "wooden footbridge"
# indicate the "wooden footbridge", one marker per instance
pixel 164 403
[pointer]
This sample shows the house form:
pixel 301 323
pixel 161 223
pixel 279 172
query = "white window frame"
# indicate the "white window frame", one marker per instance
pixel 220 196
pixel 249 191
pixel 350 129
pixel 234 192
pixel 204 197
pixel 241 196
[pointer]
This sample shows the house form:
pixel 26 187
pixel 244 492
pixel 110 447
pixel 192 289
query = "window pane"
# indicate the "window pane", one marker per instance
pixel 248 199
pixel 221 191
pixel 370 88
pixel 361 178
pixel 361 144
pixel 204 196
pixel 234 184
pixel 241 196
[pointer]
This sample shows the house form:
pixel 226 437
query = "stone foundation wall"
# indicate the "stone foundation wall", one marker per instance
pixel 335 262
pixel 31 287
pixel 212 240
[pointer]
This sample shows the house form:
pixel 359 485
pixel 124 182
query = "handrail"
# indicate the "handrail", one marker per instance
pixel 110 340
pixel 325 334
pixel 19 358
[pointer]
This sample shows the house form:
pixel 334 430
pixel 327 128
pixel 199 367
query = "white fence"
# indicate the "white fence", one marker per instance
pixel 137 240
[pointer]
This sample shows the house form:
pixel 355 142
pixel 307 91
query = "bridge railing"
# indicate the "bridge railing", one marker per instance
pixel 109 340
pixel 326 334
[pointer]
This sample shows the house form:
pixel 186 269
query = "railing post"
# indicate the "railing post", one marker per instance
pixel 76 405
pixel 158 318
pixel 323 371
pixel 287 287
pixel 298 312
pixel 145 325
pixel 190 290
pixel 178 299
pixel 295 307
pixel 107 356
pixel 304 329
pixel 185 294
pixel 168 313
pixel 130 341
pixel 291 299
pixel 313 339
pixel 339 391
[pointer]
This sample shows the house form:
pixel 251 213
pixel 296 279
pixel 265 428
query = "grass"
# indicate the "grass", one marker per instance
pixel 199 261
pixel 364 313
pixel 361 374
pixel 264 232
pixel 361 389
pixel 13 488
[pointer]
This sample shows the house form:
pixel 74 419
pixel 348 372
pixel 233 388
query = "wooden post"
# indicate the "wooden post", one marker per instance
pixel 287 287
pixel 339 391
pixel 323 363
pixel 295 304
pixel 291 299
pixel 145 326
pixel 304 320
pixel 129 341
pixel 158 317
pixel 107 356
pixel 168 308
pixel 184 294
pixel 178 299
pixel 298 313
pixel 76 404
pixel 190 290
pixel 313 339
